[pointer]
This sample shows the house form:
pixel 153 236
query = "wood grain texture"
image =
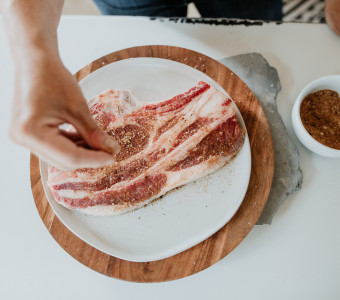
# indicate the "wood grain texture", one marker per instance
pixel 226 239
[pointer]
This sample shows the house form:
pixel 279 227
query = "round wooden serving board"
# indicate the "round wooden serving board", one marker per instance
pixel 226 239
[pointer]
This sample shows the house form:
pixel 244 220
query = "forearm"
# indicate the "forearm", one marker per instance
pixel 31 26
pixel 332 13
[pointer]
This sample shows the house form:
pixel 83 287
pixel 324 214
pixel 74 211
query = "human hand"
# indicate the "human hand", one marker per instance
pixel 47 96
pixel 332 14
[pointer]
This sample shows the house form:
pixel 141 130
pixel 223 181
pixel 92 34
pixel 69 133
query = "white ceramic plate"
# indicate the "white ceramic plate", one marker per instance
pixel 183 217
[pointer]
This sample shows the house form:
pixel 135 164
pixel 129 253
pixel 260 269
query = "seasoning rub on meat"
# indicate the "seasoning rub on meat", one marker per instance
pixel 163 145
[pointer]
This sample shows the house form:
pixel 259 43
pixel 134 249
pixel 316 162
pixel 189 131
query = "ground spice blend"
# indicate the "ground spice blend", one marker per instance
pixel 320 115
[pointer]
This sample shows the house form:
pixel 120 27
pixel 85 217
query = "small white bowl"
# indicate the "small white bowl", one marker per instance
pixel 331 82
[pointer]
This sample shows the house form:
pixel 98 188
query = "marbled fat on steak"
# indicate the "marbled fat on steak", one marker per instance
pixel 163 145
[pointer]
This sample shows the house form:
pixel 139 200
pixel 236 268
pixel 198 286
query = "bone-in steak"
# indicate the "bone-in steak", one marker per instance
pixel 163 145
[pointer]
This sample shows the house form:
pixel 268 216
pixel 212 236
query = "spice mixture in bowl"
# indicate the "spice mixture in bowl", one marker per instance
pixel 316 116
pixel 320 115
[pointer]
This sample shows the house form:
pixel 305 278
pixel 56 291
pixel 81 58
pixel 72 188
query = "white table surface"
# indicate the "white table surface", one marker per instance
pixel 296 257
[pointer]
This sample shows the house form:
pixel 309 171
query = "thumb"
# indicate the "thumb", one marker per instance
pixel 95 137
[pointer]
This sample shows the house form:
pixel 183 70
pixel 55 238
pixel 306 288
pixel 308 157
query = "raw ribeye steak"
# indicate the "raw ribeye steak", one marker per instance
pixel 163 145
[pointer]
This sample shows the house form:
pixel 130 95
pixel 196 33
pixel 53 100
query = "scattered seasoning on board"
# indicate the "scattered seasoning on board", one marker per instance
pixel 320 115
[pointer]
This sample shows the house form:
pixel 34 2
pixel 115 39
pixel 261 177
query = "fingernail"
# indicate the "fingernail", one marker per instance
pixel 111 145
